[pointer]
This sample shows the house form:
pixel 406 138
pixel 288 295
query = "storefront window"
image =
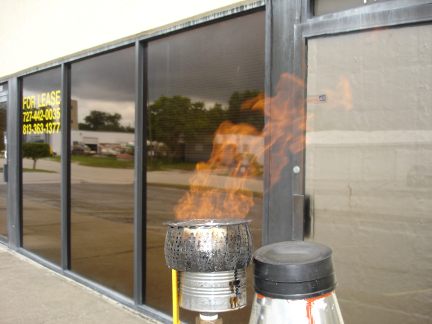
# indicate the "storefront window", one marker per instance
pixel 102 170
pixel 41 152
pixel 369 168
pixel 3 159
pixel 204 137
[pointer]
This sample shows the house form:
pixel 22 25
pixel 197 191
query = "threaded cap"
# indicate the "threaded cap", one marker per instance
pixel 293 270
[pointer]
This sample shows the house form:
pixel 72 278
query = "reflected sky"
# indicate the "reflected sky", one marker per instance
pixel 208 63
pixel 204 64
pixel 41 82
pixel 105 83
pixel 108 77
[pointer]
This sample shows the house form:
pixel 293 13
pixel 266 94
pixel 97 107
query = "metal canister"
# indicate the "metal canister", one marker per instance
pixel 211 257
pixel 213 292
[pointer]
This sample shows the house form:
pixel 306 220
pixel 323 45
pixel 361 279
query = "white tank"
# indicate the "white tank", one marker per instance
pixel 294 284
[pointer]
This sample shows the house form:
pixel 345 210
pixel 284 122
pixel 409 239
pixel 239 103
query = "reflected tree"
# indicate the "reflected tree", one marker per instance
pixel 238 113
pixel 35 151
pixel 102 121
pixel 177 120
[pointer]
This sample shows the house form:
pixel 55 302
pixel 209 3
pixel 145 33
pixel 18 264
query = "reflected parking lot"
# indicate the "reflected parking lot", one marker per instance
pixel 105 255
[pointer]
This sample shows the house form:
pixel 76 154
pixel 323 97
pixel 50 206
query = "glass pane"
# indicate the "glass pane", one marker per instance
pixel 102 175
pixel 205 113
pixel 41 150
pixel 3 158
pixel 369 169
pixel 322 7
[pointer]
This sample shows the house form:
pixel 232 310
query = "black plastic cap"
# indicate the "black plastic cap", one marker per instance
pixel 294 270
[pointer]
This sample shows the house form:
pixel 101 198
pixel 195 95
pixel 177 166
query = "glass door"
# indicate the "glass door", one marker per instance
pixel 369 168
pixel 3 161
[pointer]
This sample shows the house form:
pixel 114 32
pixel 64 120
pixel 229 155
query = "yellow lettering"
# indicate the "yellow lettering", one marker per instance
pixel 42 102
pixel 47 99
pixel 29 102
pixel 25 102
pixel 50 98
pixel 53 98
pixel 58 97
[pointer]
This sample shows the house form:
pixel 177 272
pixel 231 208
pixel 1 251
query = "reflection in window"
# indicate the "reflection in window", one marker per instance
pixel 3 158
pixel 41 151
pixel 204 143
pixel 102 175
pixel 369 168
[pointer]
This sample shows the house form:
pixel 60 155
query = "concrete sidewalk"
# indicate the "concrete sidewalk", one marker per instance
pixel 30 293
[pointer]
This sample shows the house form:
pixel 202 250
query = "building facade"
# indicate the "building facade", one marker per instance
pixel 311 118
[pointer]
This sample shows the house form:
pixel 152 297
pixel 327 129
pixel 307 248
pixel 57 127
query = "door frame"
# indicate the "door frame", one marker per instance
pixel 289 26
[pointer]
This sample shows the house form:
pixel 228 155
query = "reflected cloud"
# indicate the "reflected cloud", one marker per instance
pixel 179 65
pixel 109 77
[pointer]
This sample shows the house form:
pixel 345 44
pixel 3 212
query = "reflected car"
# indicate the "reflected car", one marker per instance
pixel 80 148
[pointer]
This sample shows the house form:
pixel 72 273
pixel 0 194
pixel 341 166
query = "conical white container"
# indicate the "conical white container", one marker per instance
pixel 294 284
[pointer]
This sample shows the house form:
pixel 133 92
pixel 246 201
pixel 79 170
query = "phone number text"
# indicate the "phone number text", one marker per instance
pixel 39 115
pixel 41 128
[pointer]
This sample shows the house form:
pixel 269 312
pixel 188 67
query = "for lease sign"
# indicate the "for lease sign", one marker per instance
pixel 41 113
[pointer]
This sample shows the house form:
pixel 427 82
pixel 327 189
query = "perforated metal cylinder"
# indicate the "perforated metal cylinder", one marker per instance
pixel 208 245
pixel 211 257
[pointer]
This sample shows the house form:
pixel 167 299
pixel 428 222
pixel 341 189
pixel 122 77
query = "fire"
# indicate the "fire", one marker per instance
pixel 341 96
pixel 256 103
pixel 219 187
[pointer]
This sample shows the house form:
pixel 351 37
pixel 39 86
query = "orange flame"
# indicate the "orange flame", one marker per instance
pixel 219 187
pixel 256 103
pixel 341 96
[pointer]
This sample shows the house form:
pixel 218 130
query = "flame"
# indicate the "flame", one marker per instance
pixel 219 187
pixel 212 195
pixel 256 103
pixel 341 96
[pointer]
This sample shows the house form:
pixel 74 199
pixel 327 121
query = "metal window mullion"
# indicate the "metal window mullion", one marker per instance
pixel 307 9
pixel 140 172
pixel 298 178
pixel 15 164
pixel 268 53
pixel 283 195
pixel 65 168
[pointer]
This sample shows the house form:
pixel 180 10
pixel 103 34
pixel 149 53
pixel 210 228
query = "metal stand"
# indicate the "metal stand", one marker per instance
pixel 208 319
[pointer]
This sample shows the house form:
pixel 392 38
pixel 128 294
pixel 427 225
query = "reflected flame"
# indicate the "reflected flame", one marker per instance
pixel 285 126
pixel 219 187
pixel 341 96
pixel 256 103
pixel 338 97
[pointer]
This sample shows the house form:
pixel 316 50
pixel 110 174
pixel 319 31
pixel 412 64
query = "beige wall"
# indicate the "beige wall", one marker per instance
pixel 36 31
pixel 369 169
